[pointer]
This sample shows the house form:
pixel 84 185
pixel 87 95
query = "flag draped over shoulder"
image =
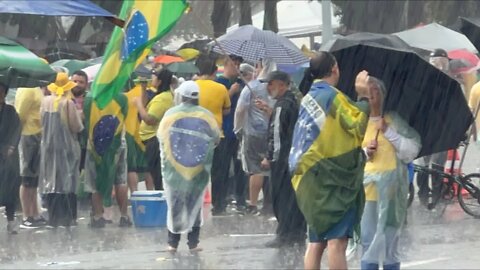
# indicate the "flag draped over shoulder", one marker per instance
pixel 326 159
pixel 187 136
pixel 132 123
pixel 146 22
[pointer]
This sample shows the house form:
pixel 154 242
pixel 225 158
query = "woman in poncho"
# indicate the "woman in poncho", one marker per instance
pixel 60 151
pixel 390 144
pixel 187 134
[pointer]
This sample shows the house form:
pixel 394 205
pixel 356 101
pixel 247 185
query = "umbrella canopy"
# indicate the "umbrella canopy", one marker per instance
pixel 433 36
pixel 21 68
pixel 463 61
pixel 167 59
pixel 183 68
pixel 93 70
pixel 254 44
pixel 470 27
pixel 199 44
pixel 188 53
pixel 72 64
pixel 430 100
pixel 57 8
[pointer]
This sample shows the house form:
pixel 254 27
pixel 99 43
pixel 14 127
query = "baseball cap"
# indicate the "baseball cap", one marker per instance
pixel 439 53
pixel 189 89
pixel 277 76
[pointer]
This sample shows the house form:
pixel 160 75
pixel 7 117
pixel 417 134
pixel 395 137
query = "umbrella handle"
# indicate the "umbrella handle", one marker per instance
pixel 225 54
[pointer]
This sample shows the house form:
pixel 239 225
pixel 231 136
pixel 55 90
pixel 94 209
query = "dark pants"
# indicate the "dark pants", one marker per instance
pixel 62 209
pixel 152 155
pixel 237 184
pixel 193 236
pixel 292 226
pixel 10 210
pixel 436 162
pixel 220 168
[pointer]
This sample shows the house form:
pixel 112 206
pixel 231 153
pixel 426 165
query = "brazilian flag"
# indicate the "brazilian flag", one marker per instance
pixel 146 23
pixel 326 159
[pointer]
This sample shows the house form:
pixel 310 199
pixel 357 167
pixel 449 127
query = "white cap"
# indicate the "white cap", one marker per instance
pixel 189 89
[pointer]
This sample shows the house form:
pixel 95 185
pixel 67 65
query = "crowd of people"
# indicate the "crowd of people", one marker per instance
pixel 327 165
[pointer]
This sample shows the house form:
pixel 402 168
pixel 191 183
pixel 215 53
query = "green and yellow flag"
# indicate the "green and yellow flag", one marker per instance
pixel 145 23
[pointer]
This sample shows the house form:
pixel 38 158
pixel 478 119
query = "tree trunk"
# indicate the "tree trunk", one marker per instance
pixel 220 17
pixel 270 20
pixel 245 12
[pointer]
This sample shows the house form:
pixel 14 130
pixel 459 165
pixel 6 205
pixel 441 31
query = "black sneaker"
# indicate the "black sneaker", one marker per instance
pixel 276 243
pixel 98 223
pixel 41 221
pixel 29 223
pixel 252 210
pixel 219 213
pixel 125 222
pixel 12 227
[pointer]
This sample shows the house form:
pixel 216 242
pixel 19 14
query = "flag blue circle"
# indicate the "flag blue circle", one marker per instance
pixel 189 148
pixel 104 132
pixel 136 34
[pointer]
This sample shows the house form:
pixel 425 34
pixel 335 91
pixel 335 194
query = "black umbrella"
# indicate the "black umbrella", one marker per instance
pixel 430 100
pixel 470 27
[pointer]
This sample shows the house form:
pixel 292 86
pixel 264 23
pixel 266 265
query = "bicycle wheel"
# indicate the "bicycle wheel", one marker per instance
pixel 469 195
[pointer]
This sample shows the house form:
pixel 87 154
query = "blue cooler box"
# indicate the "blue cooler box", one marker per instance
pixel 149 208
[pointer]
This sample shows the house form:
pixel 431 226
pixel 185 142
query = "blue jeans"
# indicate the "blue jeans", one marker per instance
pixel 369 230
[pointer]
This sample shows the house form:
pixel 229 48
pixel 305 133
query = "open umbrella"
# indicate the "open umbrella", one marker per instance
pixel 433 36
pixel 430 100
pixel 470 27
pixel 21 68
pixel 58 8
pixel 72 64
pixel 167 59
pixel 183 68
pixel 93 70
pixel 463 61
pixel 254 44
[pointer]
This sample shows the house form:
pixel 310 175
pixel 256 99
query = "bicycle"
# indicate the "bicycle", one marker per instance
pixel 464 187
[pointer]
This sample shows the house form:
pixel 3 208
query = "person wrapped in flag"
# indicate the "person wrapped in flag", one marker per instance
pixel 136 162
pixel 106 158
pixel 188 134
pixel 326 160
pixel 106 109
pixel 390 144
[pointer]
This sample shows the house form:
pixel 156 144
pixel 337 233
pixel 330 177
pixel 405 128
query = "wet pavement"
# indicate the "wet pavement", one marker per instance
pixel 430 241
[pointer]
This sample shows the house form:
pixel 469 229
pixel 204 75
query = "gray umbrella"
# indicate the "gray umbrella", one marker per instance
pixel 254 44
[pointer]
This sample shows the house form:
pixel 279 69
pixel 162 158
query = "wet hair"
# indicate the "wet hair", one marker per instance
pixel 193 101
pixel 320 67
pixel 81 73
pixel 165 76
pixel 4 87
pixel 206 65
pixel 379 83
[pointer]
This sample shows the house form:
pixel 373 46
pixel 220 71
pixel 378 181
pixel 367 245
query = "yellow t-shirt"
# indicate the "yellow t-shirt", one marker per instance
pixel 156 108
pixel 474 99
pixel 383 160
pixel 27 103
pixel 215 98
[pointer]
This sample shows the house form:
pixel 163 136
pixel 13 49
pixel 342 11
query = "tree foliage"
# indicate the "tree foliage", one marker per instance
pixel 270 20
pixel 387 16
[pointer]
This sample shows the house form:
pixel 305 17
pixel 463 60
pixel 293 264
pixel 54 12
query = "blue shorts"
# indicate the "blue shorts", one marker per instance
pixel 342 229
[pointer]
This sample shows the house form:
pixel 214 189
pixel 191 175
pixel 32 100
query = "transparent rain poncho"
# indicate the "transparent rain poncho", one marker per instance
pixel 60 149
pixel 187 135
pixel 249 119
pixel 386 183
